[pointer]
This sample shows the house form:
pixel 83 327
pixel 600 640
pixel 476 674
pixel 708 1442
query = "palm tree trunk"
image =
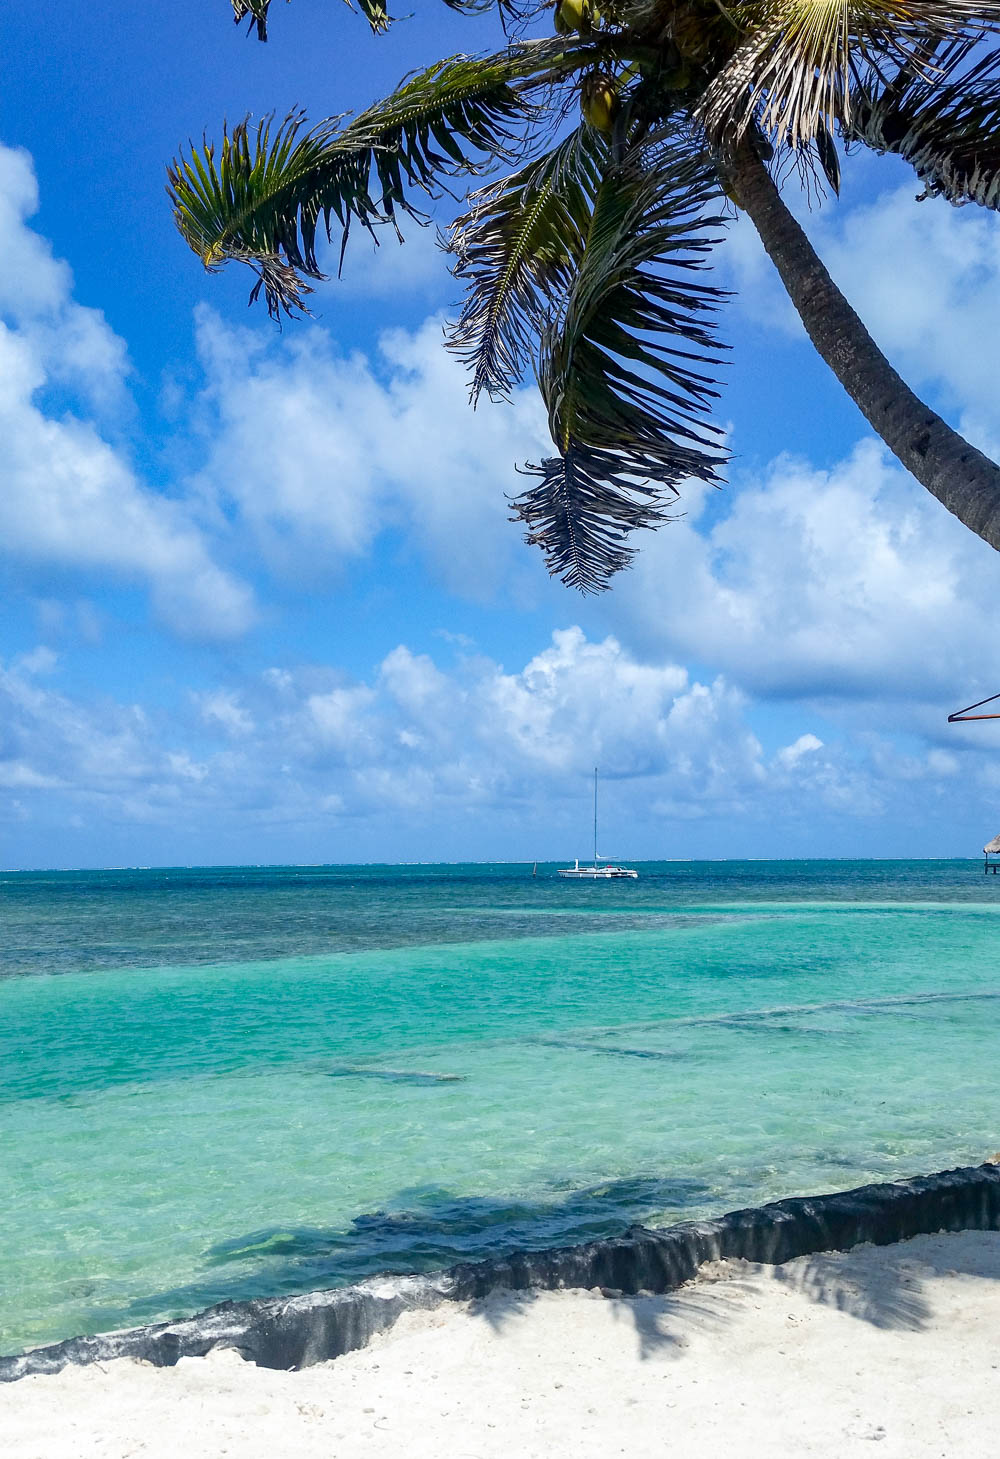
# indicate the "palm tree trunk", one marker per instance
pixel 962 478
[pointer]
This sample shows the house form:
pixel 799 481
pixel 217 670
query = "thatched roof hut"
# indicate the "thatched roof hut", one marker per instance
pixel 992 848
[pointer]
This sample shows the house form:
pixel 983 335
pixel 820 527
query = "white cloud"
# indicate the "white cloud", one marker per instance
pixel 806 744
pixel 40 660
pixel 73 344
pixel 848 583
pixel 16 775
pixel 417 750
pixel 319 453
pixel 818 588
pixel 841 583
pixel 338 721
pixel 223 707
pixel 924 277
pixel 71 500
pixel 578 701
pixel 48 739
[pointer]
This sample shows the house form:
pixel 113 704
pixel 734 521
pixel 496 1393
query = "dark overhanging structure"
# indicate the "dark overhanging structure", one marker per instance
pixel 295 1332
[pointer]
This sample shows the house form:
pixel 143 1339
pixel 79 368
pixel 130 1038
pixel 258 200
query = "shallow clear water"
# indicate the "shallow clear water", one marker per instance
pixel 249 1081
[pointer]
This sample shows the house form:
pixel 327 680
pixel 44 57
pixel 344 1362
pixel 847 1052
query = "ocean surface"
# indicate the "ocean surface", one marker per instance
pixel 248 1081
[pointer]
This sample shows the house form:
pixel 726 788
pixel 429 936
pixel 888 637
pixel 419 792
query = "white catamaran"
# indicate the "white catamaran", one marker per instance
pixel 597 872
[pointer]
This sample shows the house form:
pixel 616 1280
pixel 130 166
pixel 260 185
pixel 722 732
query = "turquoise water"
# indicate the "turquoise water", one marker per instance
pixel 242 1082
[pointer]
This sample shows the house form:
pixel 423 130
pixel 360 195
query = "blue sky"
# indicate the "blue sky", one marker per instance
pixel 261 599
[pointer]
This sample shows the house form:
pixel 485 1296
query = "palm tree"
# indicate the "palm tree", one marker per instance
pixel 587 259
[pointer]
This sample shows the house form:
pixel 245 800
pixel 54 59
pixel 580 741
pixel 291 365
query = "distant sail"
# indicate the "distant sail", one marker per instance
pixel 597 872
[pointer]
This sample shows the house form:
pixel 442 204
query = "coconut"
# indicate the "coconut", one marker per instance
pixel 579 15
pixel 570 15
pixel 599 100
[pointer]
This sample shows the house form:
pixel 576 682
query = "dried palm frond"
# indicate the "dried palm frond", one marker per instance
pixel 943 117
pixel 793 70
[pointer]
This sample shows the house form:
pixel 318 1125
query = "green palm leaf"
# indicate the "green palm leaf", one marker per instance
pixel 622 372
pixel 263 198
pixel 943 117
pixel 792 72
pixel 519 247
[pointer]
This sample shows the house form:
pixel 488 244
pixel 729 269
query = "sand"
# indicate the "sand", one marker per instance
pixel 888 1351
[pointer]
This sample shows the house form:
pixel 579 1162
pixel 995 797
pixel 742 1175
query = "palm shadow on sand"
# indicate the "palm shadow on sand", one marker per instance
pixel 887 1286
pixel 662 1322
pixel 884 1286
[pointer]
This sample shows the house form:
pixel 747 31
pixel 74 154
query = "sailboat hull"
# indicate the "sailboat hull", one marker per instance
pixel 599 873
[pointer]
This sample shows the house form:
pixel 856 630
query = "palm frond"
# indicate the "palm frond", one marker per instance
pixel 480 7
pixel 622 372
pixel 269 190
pixel 518 247
pixel 943 117
pixel 256 12
pixel 829 160
pixel 792 72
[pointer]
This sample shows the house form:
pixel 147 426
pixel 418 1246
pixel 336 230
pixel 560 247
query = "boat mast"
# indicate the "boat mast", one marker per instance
pixel 595 815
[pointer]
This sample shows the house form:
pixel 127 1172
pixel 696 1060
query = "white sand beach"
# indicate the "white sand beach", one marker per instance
pixel 896 1347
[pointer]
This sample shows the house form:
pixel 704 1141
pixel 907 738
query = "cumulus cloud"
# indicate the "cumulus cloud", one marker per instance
pixel 838 584
pixel 848 585
pixel 495 760
pixel 806 744
pixel 931 298
pixel 317 453
pixel 222 707
pixel 70 499
pixel 72 344
pixel 49 740
pixel 831 591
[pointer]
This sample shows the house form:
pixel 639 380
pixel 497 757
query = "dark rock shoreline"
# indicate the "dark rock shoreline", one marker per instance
pixel 294 1332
